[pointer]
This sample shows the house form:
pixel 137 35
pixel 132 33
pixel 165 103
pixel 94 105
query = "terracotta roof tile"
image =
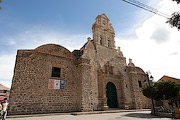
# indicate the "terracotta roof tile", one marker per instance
pixel 168 78
pixel 3 87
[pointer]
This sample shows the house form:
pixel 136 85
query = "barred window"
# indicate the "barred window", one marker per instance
pixel 56 72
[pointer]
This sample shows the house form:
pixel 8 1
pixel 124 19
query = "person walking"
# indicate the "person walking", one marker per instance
pixel 0 110
pixel 4 108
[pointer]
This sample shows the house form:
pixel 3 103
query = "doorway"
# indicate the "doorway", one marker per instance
pixel 111 95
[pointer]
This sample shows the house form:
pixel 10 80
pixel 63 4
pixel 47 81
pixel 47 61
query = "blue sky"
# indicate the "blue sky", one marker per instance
pixel 64 16
pixel 67 15
pixel 28 24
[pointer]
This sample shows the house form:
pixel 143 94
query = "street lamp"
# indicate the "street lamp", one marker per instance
pixel 151 78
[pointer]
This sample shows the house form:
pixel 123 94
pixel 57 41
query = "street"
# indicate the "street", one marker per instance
pixel 105 116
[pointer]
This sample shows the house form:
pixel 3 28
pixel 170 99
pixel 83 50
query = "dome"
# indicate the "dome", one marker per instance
pixel 54 49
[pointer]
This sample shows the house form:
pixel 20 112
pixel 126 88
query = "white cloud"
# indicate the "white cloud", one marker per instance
pixel 12 42
pixel 156 45
pixel 30 39
pixel 174 53
pixel 7 68
pixel 7 65
pixel 37 36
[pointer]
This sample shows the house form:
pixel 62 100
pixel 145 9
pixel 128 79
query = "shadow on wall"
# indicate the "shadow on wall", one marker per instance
pixel 141 115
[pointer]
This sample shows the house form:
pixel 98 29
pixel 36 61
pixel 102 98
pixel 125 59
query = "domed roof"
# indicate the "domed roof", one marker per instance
pixel 140 70
pixel 54 49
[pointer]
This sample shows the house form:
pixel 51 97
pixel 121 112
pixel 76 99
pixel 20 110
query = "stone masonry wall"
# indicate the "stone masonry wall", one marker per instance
pixel 119 77
pixel 89 53
pixel 86 85
pixel 136 75
pixel 30 93
pixel 86 73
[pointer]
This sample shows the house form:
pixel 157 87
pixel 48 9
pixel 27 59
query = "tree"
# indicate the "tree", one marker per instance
pixel 162 90
pixel 166 90
pixel 149 92
pixel 174 21
pixel 178 1
pixel 0 2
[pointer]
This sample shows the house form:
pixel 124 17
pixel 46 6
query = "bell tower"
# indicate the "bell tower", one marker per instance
pixel 103 32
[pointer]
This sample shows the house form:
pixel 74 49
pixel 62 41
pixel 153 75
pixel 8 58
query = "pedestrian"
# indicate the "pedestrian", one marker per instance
pixel 4 108
pixel 0 110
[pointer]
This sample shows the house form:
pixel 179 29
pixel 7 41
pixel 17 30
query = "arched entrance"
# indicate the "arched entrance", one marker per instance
pixel 111 95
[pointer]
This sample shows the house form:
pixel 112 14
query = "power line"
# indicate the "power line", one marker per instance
pixel 147 8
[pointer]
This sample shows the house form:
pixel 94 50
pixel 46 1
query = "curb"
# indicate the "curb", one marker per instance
pixel 37 115
pixel 75 113
pixel 108 111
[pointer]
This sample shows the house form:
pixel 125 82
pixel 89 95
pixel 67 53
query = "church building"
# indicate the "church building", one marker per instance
pixel 50 78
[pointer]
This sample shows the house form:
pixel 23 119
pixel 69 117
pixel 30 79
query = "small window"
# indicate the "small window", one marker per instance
pixel 56 72
pixel 140 84
pixel 104 23
pixel 101 42
pixel 109 44
pixel 111 70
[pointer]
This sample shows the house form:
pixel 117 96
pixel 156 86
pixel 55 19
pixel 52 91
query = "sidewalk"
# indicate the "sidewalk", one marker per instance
pixel 78 113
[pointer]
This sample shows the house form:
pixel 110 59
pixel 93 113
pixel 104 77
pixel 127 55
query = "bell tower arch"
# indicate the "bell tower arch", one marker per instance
pixel 103 32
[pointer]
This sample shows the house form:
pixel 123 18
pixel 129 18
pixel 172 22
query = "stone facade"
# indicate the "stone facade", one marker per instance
pixel 89 73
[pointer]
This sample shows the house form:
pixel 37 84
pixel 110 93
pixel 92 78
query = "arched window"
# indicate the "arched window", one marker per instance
pixel 109 43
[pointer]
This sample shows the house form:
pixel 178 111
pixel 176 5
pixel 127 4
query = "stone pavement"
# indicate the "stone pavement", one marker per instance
pixel 137 115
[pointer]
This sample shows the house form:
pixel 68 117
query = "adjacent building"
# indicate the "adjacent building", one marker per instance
pixel 166 78
pixel 176 101
pixel 4 92
pixel 50 78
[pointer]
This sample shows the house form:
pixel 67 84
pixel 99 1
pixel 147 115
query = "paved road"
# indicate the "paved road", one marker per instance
pixel 141 115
